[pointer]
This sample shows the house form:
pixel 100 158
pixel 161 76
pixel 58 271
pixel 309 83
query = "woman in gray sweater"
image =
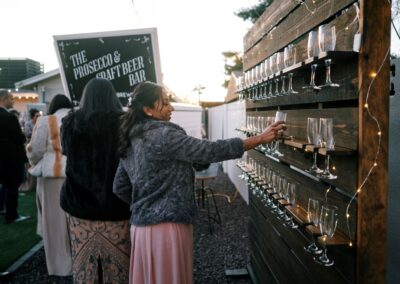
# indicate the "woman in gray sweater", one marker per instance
pixel 156 178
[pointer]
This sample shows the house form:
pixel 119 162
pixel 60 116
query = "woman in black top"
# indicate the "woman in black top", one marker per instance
pixel 98 220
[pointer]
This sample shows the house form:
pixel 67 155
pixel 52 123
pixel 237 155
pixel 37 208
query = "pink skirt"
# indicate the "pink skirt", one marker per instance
pixel 161 254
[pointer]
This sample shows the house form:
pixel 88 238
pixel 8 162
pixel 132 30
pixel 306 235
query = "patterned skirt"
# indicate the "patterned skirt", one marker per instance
pixel 100 250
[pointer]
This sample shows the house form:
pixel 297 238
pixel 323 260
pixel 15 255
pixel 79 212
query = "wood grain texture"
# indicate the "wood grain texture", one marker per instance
pixel 294 29
pixel 372 207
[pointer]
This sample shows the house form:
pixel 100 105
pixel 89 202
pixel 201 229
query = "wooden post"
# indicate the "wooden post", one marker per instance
pixel 372 200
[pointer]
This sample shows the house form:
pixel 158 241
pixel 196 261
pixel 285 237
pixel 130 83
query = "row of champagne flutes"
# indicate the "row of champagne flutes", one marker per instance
pixel 320 135
pixel 262 81
pixel 325 217
pixel 271 187
pixel 255 124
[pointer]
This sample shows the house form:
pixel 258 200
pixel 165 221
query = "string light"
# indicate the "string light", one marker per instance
pixel 302 2
pixel 373 75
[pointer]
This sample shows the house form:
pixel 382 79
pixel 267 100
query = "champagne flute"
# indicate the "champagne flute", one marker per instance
pixel 327 42
pixel 281 65
pixel 312 51
pixel 275 184
pixel 312 48
pixel 313 137
pixel 289 54
pixel 279 116
pixel 291 195
pixel 313 211
pixel 269 147
pixel 327 225
pixel 282 187
pixel 328 142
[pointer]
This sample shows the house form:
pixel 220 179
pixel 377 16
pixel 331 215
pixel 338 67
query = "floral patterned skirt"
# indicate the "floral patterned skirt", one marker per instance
pixel 100 250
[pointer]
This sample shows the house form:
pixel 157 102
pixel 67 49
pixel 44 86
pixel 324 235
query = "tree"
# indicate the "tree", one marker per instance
pixel 254 12
pixel 233 62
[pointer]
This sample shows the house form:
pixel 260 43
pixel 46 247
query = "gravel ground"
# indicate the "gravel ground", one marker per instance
pixel 227 247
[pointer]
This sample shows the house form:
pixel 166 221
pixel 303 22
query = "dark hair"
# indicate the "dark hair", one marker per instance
pixel 144 94
pixel 32 112
pixel 58 102
pixel 99 95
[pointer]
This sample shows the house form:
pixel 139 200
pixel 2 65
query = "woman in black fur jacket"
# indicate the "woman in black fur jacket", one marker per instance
pixel 98 220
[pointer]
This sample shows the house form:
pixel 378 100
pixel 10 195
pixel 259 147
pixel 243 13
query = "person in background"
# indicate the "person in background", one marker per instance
pixel 33 115
pixel 48 163
pixel 98 220
pixel 156 178
pixel 31 181
pixel 12 160
pixel 14 112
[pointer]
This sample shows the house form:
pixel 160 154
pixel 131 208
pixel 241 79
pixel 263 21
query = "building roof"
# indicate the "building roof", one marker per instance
pixel 37 78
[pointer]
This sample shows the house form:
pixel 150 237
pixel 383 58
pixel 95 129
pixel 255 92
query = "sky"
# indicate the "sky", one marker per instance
pixel 192 34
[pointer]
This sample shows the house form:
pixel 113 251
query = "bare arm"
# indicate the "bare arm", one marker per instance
pixel 269 134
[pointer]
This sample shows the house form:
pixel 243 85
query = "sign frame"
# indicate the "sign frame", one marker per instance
pixel 154 54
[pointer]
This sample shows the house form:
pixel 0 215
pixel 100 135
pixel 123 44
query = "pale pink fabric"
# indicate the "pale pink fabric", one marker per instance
pixel 161 254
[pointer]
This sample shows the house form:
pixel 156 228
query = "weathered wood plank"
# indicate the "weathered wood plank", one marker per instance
pixel 372 207
pixel 296 28
pixel 268 20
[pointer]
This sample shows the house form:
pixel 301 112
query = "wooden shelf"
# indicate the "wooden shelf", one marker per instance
pixel 338 239
pixel 342 151
pixel 299 214
pixel 283 202
pixel 295 143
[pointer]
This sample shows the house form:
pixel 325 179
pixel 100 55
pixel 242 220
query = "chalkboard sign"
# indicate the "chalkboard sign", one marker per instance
pixel 126 58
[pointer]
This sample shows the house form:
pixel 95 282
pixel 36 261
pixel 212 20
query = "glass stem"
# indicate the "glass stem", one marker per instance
pixel 290 87
pixel 313 69
pixel 314 166
pixel 328 80
pixel 270 90
pixel 327 164
pixel 283 91
pixel 276 87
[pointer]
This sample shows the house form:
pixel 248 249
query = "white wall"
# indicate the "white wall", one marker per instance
pixel 393 261
pixel 188 117
pixel 222 121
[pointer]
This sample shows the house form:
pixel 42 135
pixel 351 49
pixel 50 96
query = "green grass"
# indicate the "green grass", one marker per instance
pixel 18 238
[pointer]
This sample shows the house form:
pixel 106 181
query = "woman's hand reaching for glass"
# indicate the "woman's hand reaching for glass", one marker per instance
pixel 268 135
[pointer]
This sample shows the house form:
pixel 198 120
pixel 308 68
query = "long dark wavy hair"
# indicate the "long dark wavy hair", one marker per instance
pixel 99 95
pixel 144 94
pixel 58 102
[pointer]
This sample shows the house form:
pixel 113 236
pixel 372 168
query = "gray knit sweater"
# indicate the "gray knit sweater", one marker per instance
pixel 157 176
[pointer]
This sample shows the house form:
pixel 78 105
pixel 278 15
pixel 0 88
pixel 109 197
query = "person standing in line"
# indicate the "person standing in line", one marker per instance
pixel 98 220
pixel 12 159
pixel 28 127
pixel 48 165
pixel 34 114
pixel 155 176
